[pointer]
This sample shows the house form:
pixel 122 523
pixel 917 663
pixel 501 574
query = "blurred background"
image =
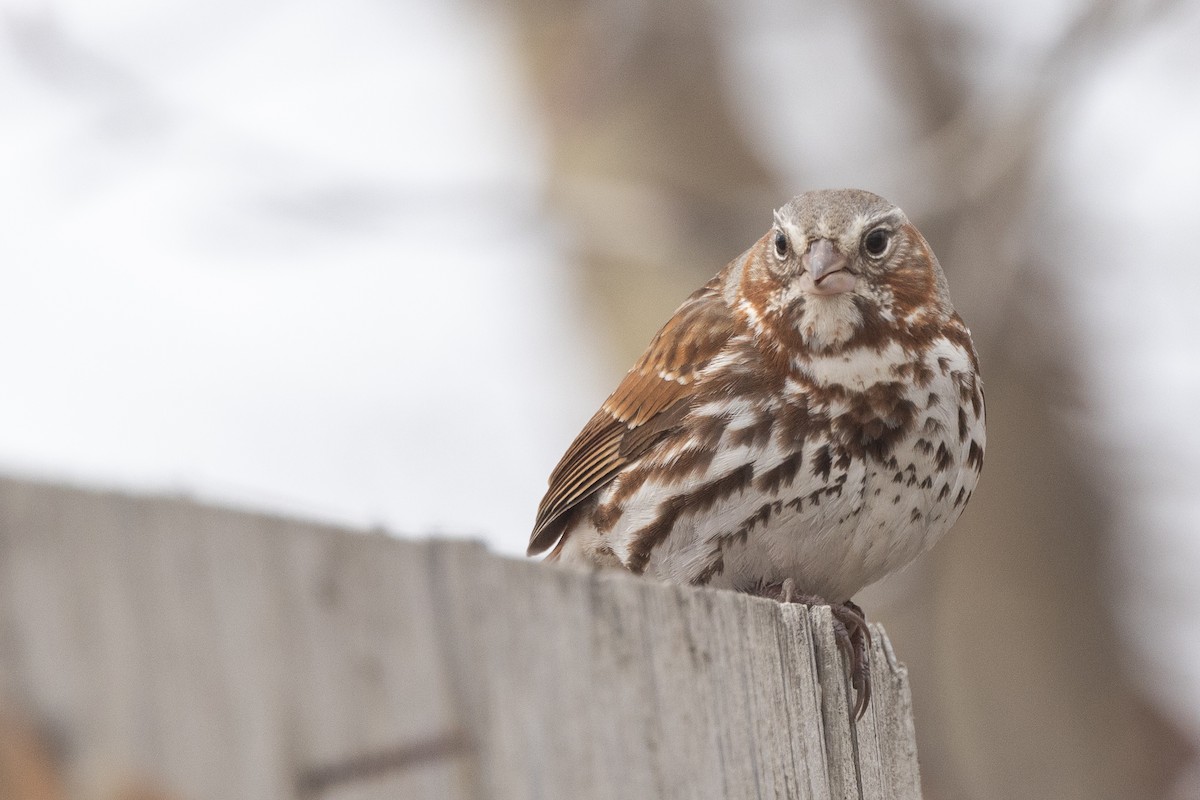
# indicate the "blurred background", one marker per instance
pixel 377 262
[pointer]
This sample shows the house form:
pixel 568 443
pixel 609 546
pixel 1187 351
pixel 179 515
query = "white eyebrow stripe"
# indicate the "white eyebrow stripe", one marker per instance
pixel 895 215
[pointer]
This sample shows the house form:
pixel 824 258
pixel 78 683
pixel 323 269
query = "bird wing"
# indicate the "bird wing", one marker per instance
pixel 652 400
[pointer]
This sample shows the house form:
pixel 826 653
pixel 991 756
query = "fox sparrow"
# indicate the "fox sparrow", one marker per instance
pixel 807 422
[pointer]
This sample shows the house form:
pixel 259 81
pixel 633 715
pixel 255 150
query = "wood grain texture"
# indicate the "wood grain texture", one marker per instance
pixel 233 655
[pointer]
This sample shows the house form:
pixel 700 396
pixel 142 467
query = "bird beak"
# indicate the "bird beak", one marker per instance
pixel 827 267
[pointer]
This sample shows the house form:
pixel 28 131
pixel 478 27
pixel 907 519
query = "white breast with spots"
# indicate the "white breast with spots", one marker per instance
pixel 839 527
pixel 834 525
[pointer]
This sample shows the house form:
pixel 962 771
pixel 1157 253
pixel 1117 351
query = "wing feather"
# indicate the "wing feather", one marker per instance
pixel 650 401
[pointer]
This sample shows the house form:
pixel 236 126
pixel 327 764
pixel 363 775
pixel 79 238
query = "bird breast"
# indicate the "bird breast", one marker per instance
pixel 860 463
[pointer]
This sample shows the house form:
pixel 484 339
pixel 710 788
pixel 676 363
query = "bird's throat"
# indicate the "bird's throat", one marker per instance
pixel 826 322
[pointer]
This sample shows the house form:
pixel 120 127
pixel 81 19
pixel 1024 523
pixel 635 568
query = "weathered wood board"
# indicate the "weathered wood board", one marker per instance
pixel 234 655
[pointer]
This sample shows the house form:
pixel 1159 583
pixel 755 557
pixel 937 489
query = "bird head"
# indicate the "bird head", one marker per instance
pixel 840 266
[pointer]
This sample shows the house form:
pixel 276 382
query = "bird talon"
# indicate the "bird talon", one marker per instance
pixel 851 633
pixel 851 623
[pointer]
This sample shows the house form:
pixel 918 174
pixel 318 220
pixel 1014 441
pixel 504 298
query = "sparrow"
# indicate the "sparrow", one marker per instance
pixel 807 422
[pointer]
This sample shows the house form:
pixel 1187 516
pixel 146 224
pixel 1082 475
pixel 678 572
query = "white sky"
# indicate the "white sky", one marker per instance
pixel 252 252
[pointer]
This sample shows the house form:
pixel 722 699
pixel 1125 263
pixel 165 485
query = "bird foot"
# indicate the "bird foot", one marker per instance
pixel 850 632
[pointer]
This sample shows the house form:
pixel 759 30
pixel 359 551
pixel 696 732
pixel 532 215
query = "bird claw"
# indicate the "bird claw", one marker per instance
pixel 854 640
pixel 850 632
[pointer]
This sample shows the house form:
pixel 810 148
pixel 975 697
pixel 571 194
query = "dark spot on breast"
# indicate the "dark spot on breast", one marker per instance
pixel 691 463
pixel 963 425
pixel 927 483
pixel 871 430
pixel 942 459
pixel 632 479
pixel 688 465
pixel 943 364
pixel 708 430
pixel 753 435
pixel 922 374
pixel 759 517
pixel 925 446
pixel 874 419
pixel 962 494
pixel 975 456
pixel 822 463
pixel 944 492
pixel 605 516
pixel 715 566
pixel 916 515
pixel 932 400
pixel 794 421
pixel 645 539
pixel 780 475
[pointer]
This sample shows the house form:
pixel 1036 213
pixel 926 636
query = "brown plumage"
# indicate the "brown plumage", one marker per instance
pixel 807 422
pixel 652 400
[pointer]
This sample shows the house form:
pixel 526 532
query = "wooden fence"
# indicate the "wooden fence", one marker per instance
pixel 225 654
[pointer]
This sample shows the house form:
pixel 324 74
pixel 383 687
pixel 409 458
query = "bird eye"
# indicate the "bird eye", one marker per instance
pixel 876 242
pixel 781 245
